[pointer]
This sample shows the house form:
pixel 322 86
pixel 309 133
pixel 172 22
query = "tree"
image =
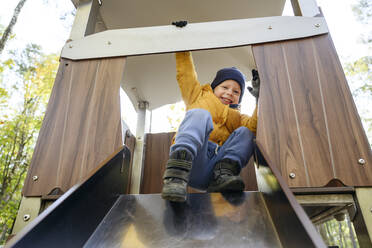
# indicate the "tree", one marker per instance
pixel 20 123
pixel 175 114
pixel 359 72
pixel 363 13
pixel 8 31
pixel 338 233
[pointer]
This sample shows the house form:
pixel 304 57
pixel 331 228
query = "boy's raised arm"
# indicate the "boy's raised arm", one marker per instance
pixel 187 77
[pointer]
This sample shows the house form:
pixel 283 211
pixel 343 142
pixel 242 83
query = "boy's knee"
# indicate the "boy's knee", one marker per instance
pixel 200 114
pixel 244 132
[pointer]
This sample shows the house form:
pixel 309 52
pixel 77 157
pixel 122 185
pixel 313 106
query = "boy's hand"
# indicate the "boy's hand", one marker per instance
pixel 179 24
pixel 255 89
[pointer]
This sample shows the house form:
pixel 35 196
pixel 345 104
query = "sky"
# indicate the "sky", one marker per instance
pixel 40 22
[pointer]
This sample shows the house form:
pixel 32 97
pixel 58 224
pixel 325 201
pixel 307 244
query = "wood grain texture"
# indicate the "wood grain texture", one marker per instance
pixel 347 137
pixel 311 123
pixel 248 175
pixel 277 127
pixel 156 155
pixel 81 126
pixel 308 122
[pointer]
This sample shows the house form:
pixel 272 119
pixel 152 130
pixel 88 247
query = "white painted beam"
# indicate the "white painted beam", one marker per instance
pixel 28 210
pixel 143 127
pixel 196 36
pixel 85 20
pixel 307 8
pixel 364 199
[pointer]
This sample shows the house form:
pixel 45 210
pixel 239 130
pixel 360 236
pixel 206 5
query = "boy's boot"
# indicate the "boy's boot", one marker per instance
pixel 226 177
pixel 176 176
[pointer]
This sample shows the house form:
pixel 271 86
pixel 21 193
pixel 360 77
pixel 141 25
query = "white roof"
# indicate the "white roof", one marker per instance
pixel 152 78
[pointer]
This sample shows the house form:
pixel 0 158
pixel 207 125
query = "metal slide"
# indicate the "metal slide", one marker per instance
pixel 97 213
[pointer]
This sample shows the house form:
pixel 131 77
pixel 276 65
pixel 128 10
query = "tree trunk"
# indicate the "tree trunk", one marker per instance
pixel 323 232
pixel 331 238
pixel 340 234
pixel 3 231
pixel 9 28
pixel 351 231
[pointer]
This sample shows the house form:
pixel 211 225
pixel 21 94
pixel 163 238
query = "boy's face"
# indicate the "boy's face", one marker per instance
pixel 228 92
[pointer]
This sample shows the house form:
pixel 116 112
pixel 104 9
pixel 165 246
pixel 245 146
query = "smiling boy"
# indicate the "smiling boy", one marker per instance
pixel 228 92
pixel 214 140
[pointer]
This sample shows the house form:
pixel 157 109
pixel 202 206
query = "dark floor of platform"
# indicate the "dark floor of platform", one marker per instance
pixel 205 220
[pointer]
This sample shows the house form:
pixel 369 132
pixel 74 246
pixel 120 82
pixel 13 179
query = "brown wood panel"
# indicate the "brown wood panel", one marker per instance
pixel 347 137
pixel 156 155
pixel 307 98
pixel 308 122
pixel 81 126
pixel 276 129
pixel 248 175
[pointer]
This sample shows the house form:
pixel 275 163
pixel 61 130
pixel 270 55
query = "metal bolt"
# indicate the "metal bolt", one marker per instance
pixel 361 161
pixel 270 27
pixel 34 178
pixel 108 42
pixel 26 217
pixel 70 46
pixel 292 175
pixel 317 25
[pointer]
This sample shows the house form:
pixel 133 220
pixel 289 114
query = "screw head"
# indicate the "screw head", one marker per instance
pixel 292 175
pixel 108 42
pixel 26 217
pixel 317 25
pixel 34 178
pixel 361 161
pixel 269 27
pixel 70 46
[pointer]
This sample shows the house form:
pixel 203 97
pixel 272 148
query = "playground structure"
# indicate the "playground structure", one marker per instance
pixel 308 127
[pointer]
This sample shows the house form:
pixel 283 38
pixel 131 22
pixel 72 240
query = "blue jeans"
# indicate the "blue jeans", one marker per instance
pixel 193 135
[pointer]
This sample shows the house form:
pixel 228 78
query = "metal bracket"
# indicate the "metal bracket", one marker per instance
pixel 143 104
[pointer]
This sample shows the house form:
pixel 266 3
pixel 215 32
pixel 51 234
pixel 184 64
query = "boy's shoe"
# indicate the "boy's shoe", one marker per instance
pixel 226 177
pixel 176 176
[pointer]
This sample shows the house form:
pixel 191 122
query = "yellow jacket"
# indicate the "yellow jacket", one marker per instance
pixel 195 95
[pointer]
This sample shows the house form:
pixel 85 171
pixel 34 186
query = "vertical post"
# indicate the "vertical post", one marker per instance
pixel 85 19
pixel 363 220
pixel 143 126
pixel 305 8
pixel 28 210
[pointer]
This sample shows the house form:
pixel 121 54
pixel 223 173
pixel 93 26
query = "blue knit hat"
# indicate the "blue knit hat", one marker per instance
pixel 230 73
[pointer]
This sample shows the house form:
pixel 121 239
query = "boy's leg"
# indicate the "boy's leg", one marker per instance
pixel 202 170
pixel 191 139
pixel 231 157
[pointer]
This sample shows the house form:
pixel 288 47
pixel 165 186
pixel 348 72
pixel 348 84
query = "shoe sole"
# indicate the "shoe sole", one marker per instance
pixel 173 197
pixel 234 185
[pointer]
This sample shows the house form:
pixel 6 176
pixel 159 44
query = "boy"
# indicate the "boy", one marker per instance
pixel 214 141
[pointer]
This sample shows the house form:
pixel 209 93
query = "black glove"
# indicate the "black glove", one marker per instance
pixel 180 24
pixel 255 89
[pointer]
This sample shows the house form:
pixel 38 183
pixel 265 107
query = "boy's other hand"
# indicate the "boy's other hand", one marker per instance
pixel 180 24
pixel 255 89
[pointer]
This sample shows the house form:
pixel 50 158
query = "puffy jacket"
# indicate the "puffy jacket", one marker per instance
pixel 195 95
